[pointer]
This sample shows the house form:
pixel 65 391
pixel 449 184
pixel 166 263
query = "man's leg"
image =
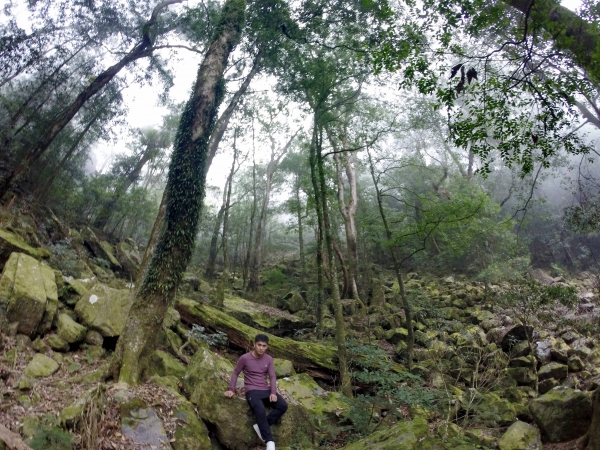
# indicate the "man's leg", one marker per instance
pixel 279 409
pixel 255 400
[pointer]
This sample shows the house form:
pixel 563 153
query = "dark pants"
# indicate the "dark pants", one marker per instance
pixel 257 401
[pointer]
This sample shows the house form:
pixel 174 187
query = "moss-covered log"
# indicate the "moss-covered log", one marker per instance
pixel 315 359
pixel 184 196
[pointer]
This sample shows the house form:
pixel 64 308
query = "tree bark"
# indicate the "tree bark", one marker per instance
pixel 141 50
pixel 591 440
pixel 320 300
pixel 184 196
pixel 340 326
pixel 223 122
pixel 214 242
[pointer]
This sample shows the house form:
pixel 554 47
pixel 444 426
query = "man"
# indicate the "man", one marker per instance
pixel 256 365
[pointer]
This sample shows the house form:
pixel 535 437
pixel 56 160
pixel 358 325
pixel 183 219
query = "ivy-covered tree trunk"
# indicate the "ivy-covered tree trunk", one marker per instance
pixel 184 196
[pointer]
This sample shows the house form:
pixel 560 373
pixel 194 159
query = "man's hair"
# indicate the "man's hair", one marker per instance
pixel 261 338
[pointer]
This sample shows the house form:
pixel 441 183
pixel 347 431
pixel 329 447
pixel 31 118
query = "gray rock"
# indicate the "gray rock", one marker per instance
pixel 562 414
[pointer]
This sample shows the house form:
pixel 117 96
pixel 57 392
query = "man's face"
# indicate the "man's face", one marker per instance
pixel 260 348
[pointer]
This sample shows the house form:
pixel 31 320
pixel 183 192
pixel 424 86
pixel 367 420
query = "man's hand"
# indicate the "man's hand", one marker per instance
pixel 229 394
pixel 273 398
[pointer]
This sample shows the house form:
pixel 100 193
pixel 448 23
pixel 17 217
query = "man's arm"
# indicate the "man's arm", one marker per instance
pixel 272 380
pixel 234 376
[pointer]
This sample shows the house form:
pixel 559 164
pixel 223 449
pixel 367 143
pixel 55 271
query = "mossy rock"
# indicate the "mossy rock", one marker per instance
pixel 129 259
pixel 403 436
pixel 553 370
pixel 206 380
pixel 304 390
pixel 141 424
pixel 491 409
pixel 57 343
pixel 163 364
pixel 562 413
pixel 283 368
pixel 396 335
pixel 521 436
pixel 524 376
pixel 295 303
pixel 41 366
pixel 23 292
pixel 69 330
pixel 13 243
pixel 104 309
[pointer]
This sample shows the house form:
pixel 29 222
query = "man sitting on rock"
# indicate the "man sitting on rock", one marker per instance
pixel 256 365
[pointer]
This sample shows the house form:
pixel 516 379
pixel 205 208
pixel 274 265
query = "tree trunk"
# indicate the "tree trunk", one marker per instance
pixel 184 196
pixel 340 326
pixel 141 50
pixel 300 235
pixel 320 300
pixel 214 243
pixel 591 440
pixel 405 302
pixel 223 122
pixel 43 191
pixel 253 282
pixel 248 258
pixel 154 234
pixel 349 213
pixel 122 186
pixel 224 281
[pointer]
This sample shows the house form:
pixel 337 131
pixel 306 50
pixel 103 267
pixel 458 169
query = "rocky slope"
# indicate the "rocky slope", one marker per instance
pixel 63 309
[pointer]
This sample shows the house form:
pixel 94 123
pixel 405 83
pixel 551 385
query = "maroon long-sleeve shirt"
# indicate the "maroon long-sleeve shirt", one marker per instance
pixel 255 373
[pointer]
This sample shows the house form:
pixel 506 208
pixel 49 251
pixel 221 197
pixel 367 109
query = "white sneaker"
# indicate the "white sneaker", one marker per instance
pixel 255 426
pixel 270 445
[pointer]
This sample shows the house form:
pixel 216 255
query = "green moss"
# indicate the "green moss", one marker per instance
pixel 10 242
pixel 303 389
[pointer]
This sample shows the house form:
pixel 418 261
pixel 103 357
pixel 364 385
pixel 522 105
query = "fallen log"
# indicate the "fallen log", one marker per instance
pixel 317 360
pixel 12 440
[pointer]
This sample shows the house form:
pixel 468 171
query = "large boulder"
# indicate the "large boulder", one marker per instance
pixel 303 389
pixel 100 249
pixel 554 370
pixel 562 413
pixel 141 424
pixel 26 286
pixel 104 309
pixel 69 330
pixel 190 432
pixel 129 259
pixel 13 243
pixel 163 364
pixel 206 380
pixel 521 436
pixel 404 436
